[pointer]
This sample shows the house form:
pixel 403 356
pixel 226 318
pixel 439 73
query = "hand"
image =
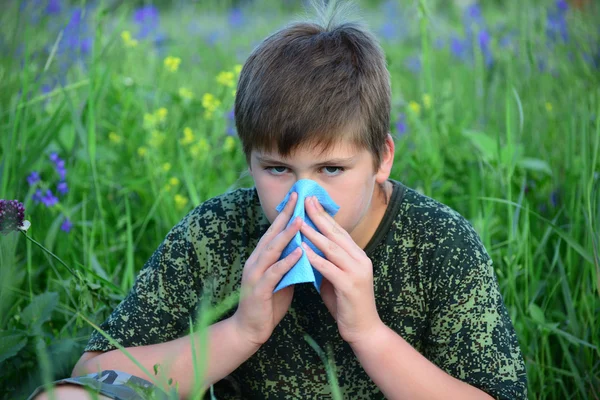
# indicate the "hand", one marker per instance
pixel 260 310
pixel 347 286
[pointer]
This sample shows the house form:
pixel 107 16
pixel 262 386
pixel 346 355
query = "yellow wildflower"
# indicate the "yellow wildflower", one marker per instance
pixel 549 107
pixel 188 136
pixel 226 78
pixel 229 144
pixel 113 137
pixel 427 101
pixel 161 114
pixel 415 107
pixel 180 201
pixel 185 93
pixel 201 147
pixel 210 104
pixel 173 181
pixel 149 121
pixel 172 63
pixel 156 138
pixel 142 151
pixel 166 167
pixel 128 41
pixel 237 69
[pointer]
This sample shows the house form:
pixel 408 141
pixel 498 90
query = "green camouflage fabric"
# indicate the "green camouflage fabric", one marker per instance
pixel 113 384
pixel 434 285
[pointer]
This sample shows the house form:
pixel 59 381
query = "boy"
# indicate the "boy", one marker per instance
pixel 409 302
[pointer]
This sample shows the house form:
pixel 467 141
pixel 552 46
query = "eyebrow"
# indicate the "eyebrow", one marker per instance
pixel 332 161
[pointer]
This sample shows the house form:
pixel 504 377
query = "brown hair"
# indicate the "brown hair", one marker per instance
pixel 313 83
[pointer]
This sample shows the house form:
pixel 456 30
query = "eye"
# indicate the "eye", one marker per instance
pixel 333 171
pixel 278 170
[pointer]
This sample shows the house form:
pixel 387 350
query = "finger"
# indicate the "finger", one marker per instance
pixel 329 271
pixel 329 227
pixel 333 252
pixel 273 249
pixel 275 272
pixel 280 221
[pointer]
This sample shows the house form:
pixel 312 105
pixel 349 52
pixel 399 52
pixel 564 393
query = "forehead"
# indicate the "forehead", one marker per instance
pixel 341 149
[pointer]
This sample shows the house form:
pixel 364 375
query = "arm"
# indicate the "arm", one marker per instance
pixel 401 372
pixel 226 350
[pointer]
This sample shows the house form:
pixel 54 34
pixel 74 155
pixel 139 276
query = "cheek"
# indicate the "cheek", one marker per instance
pixel 270 194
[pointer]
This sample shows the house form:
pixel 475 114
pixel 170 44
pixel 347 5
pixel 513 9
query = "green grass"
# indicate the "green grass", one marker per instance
pixel 515 150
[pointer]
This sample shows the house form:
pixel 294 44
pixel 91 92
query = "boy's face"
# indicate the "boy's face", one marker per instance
pixel 344 172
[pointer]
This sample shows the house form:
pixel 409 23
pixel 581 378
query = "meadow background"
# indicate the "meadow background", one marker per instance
pixel 116 119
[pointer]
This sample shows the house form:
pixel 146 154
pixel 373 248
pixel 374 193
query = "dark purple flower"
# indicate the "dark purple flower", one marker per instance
pixel 556 26
pixel 473 12
pixel 38 196
pixel 458 47
pixel 75 34
pixel 388 30
pixel 554 198
pixel 54 157
pixel 53 7
pixel 62 187
pixel 562 5
pixel 236 17
pixel 49 199
pixel 12 215
pixel 148 20
pixel 401 127
pixel 67 225
pixel 483 38
pixel 33 178
pixel 413 64
pixel 231 131
pixel 46 88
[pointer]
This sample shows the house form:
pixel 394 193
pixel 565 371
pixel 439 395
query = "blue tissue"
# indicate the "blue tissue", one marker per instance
pixel 303 272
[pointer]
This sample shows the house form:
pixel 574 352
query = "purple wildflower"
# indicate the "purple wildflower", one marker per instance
pixel 458 47
pixel 59 165
pixel 388 30
pixel 38 196
pixel 484 43
pixel 33 178
pixel 148 19
pixel 67 225
pixel 556 22
pixel 413 64
pixel 562 5
pixel 12 215
pixel 401 125
pixel 473 12
pixel 62 187
pixel 75 35
pixel 484 39
pixel 53 7
pixel 236 17
pixel 554 198
pixel 231 131
pixel 49 199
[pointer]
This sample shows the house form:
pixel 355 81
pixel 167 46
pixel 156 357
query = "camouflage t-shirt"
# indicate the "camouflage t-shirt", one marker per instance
pixel 434 285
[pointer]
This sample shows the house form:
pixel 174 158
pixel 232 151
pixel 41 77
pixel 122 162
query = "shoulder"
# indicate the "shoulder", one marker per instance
pixel 436 226
pixel 230 211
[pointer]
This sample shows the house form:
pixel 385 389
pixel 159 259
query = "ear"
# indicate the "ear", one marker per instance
pixel 387 161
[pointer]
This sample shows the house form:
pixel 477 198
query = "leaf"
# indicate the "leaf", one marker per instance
pixel 535 164
pixel 11 344
pixel 39 310
pixel 537 314
pixel 486 145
